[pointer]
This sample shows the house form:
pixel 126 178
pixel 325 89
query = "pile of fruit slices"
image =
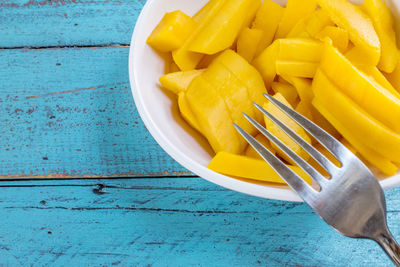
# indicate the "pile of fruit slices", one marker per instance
pixel 332 61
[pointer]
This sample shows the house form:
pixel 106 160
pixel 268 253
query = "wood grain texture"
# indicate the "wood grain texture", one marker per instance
pixel 169 222
pixel 70 113
pixel 42 23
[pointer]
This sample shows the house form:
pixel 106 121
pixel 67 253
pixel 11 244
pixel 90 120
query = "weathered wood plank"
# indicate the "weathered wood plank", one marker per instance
pixel 67 22
pixel 161 222
pixel 70 113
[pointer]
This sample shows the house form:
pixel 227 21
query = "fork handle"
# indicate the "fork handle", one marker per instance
pixel 390 246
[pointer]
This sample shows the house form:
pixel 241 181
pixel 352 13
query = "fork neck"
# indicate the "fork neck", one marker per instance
pixel 390 246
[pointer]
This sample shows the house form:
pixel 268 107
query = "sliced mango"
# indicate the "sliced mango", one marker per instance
pixel 394 77
pixel 207 60
pixel 249 168
pixel 177 82
pixel 317 21
pixel 304 109
pixel 173 67
pixel 371 71
pixel 233 92
pixel 204 12
pixel 383 22
pixel 303 87
pixel 252 153
pixel 378 101
pixel 381 163
pixel 277 132
pixel 339 37
pixel 296 69
pixel 288 92
pixel 357 57
pixel 265 63
pixel 300 49
pixel 361 125
pixel 357 24
pixel 187 112
pixel 183 57
pixel 248 43
pixel 172 31
pixel 267 19
pixel 213 117
pixel 322 122
pixel 246 74
pixel 295 11
pixel 222 30
pixel 299 30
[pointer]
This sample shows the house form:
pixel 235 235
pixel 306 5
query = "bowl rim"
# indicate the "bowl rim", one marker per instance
pixel 275 193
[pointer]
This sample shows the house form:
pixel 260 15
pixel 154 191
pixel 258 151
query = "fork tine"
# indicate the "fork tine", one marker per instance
pixel 292 179
pixel 296 158
pixel 315 154
pixel 329 142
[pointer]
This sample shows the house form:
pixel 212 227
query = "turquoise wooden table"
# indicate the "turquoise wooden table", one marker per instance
pixel 97 189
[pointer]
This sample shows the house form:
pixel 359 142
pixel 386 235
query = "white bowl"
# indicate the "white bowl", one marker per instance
pixel 159 112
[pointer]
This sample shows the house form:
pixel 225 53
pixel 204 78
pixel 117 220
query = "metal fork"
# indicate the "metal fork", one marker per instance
pixel 351 201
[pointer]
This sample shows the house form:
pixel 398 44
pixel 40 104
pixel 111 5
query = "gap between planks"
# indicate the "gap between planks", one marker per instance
pixel 43 182
pixel 112 45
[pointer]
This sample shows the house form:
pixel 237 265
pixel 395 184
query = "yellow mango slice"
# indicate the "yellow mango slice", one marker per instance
pixel 322 122
pixel 357 56
pixel 299 30
pixel 213 117
pixel 295 11
pixel 282 79
pixel 360 124
pixel 339 37
pixel 252 153
pixel 233 93
pixel 248 43
pixel 394 77
pixel 173 67
pixel 187 112
pixel 303 87
pixel 207 60
pixel 204 12
pixel 371 71
pixel 367 93
pixel 249 168
pixel 300 49
pixel 357 24
pixel 265 63
pixel 304 109
pixel 167 58
pixel 287 91
pixel 267 19
pixel 247 75
pixel 383 21
pixel 249 17
pixel 317 21
pixel 177 82
pixel 183 57
pixel 277 132
pixel 296 69
pixel 222 30
pixel 380 78
pixel 172 31
pixel 381 163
